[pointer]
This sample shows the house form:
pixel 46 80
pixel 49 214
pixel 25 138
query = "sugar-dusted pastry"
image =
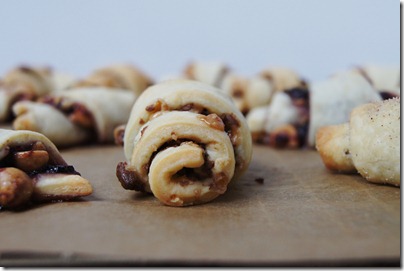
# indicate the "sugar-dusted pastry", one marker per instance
pixel 31 168
pixel 368 144
pixel 118 76
pixel 283 78
pixel 77 116
pixel 209 72
pixel 184 142
pixel 296 114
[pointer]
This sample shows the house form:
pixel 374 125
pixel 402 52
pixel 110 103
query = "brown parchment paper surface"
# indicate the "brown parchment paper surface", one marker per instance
pixel 300 215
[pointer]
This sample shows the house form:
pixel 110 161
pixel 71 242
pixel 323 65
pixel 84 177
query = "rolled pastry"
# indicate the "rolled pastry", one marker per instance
pixel 368 144
pixel 76 116
pixel 385 79
pixel 282 78
pixel 184 142
pixel 23 83
pixel 31 168
pixel 247 93
pixel 209 72
pixel 284 122
pixel 297 115
pixel 118 76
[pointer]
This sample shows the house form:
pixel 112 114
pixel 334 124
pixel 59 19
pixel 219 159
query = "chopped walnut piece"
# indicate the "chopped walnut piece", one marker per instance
pixel 16 187
pixel 30 160
pixel 213 121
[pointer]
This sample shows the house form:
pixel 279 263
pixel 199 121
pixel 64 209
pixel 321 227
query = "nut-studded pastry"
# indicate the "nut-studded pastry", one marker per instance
pixel 368 144
pixel 77 116
pixel 296 114
pixel 209 72
pixel 118 76
pixel 184 142
pixel 31 168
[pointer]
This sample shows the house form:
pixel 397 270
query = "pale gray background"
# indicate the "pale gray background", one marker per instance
pixel 314 37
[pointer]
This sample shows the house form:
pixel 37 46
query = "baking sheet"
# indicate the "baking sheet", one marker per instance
pixel 301 215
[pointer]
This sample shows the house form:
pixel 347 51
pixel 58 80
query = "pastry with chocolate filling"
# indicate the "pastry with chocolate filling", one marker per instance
pixel 77 116
pixel 368 144
pixel 296 114
pixel 118 76
pixel 25 83
pixel 185 141
pixel 32 170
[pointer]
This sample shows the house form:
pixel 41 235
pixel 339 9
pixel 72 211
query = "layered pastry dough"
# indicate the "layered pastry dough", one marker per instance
pixel 76 116
pixel 368 144
pixel 184 142
pixel 118 76
pixel 297 113
pixel 31 168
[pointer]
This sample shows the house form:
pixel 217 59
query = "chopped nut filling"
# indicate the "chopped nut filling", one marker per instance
pixel 213 121
pixel 129 179
pixel 76 112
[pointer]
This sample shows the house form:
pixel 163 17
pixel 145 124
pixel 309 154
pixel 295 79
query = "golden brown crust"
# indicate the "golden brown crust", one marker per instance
pixel 332 143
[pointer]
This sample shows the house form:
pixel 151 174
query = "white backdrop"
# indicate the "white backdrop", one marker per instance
pixel 315 37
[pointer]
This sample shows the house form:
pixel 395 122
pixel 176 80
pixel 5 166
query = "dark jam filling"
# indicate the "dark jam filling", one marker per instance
pixel 301 99
pixel 49 168
pixel 298 93
pixel 387 95
pixel 53 169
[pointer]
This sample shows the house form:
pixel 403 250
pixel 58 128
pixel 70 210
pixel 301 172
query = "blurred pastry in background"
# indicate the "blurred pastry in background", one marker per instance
pixel 118 76
pixel 28 83
pixel 209 72
pixel 84 115
pixel 295 115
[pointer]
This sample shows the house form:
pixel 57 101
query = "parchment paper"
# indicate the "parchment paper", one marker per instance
pixel 301 215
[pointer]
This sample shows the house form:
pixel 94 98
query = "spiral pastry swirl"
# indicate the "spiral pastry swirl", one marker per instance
pixel 184 142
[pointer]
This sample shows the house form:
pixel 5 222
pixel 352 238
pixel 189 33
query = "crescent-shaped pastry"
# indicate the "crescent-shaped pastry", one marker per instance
pixel 284 122
pixel 184 142
pixel 118 76
pixel 31 168
pixel 282 78
pixel 369 143
pixel 211 73
pixel 385 79
pixel 294 116
pixel 76 116
pixel 23 83
pixel 247 93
